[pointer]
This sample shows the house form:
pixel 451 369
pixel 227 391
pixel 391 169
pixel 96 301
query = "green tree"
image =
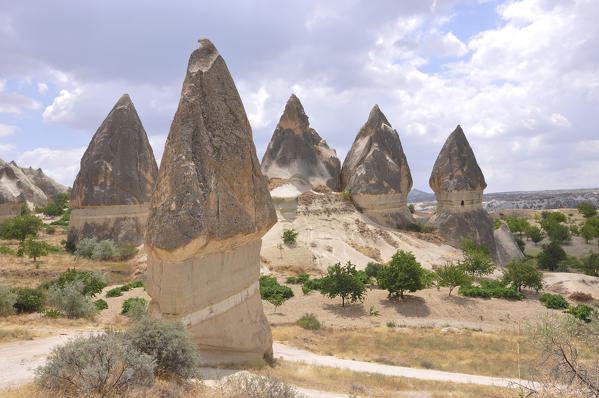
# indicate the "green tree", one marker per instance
pixel 535 234
pixel 558 233
pixel 33 249
pixel 20 227
pixel 403 273
pixel 477 263
pixel 517 225
pixel 587 232
pixel 452 275
pixel 587 209
pixel 590 264
pixel 343 281
pixel 277 300
pixel 550 256
pixel 411 208
pixel 470 246
pixel 372 269
pixel 522 273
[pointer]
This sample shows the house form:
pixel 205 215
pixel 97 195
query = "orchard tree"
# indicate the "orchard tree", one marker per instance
pixel 20 227
pixel 559 233
pixel 518 225
pixel 451 276
pixel 33 249
pixel 403 273
pixel 522 273
pixel 535 234
pixel 550 256
pixel 343 281
pixel 587 209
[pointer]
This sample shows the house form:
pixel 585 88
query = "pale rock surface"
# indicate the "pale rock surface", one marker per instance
pixel 507 248
pixel 376 173
pixel 111 194
pixel 209 211
pixel 297 153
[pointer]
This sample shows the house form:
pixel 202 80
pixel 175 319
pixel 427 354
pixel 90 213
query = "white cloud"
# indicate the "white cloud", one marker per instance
pixel 2 84
pixel 157 142
pixel 42 88
pixel 60 164
pixel 6 130
pixel 254 105
pixel 7 148
pixel 16 103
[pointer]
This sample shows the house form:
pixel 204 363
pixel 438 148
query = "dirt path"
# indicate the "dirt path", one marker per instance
pixel 293 354
pixel 20 359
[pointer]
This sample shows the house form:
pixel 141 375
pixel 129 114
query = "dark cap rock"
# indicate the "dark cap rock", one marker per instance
pixel 297 151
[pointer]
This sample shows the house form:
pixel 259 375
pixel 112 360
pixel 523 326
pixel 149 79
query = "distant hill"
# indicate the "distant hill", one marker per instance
pixel 19 183
pixel 416 195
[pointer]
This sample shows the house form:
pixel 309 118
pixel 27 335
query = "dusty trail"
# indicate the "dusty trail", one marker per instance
pixel 19 360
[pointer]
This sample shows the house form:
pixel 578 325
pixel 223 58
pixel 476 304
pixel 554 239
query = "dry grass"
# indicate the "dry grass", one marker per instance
pixel 16 333
pixel 368 251
pixel 370 384
pixel 483 353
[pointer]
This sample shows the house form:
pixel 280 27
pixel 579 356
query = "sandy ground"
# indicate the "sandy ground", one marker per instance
pixel 332 230
pixel 426 308
pixel 112 315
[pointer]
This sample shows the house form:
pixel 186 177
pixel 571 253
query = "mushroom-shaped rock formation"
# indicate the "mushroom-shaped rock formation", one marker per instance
pixel 17 188
pixel 297 154
pixel 111 194
pixel 458 184
pixel 376 173
pixel 209 211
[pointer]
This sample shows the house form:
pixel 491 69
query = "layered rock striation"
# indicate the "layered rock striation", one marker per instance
pixel 376 173
pixel 297 154
pixel 209 211
pixel 111 194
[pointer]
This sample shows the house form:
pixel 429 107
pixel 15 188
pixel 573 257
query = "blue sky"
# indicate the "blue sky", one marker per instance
pixel 521 76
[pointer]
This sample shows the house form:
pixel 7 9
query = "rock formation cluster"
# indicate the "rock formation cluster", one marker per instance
pixel 19 185
pixel 298 155
pixel 111 194
pixel 208 213
pixel 376 173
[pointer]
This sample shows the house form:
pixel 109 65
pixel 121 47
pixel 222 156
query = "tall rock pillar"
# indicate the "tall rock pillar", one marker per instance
pixel 209 211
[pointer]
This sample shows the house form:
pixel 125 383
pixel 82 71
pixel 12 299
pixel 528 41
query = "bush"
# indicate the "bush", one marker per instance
pixel 64 220
pixel 309 321
pixel 587 209
pixel 51 313
pixel 70 300
pixel 136 304
pixel 300 279
pixel 313 284
pixel 247 385
pixel 343 281
pixel 289 236
pixel 554 301
pixel 104 250
pixel 167 343
pixel 580 296
pixel 6 250
pixel 126 252
pixel 7 300
pixel 93 281
pixel 491 289
pixel 135 284
pixel 582 312
pixel 550 256
pixel 411 208
pixel 20 227
pixel 269 287
pixel 451 276
pixel 29 300
pixel 363 277
pixel 403 273
pixel 590 264
pixel 470 246
pixel 372 269
pixel 116 292
pixel 521 244
pixel 99 365
pixel 50 230
pixel 521 273
pixel 497 223
pixel 101 304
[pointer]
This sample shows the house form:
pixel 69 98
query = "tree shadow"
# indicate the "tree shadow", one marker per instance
pixel 349 311
pixel 409 306
pixel 459 300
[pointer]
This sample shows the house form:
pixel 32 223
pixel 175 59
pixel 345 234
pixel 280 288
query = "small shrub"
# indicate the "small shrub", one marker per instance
pixel 253 386
pixel 28 300
pixel 101 304
pixel 70 300
pixel 520 242
pixel 50 230
pixel 125 252
pixel 412 208
pixel 346 194
pixel 313 284
pixel 269 287
pixel 125 288
pixel 497 223
pixel 427 364
pixel 104 250
pixel 491 289
pixel 300 279
pixel 51 313
pixel 582 312
pixel 580 296
pixel 373 312
pixel 116 292
pixel 309 321
pixel 133 302
pixel 93 281
pixel 289 236
pixel 554 301
pixel 136 284
pixel 306 289
pixel 391 324
pixel 167 343
pixel 7 300
pixel 7 250
pixel 99 365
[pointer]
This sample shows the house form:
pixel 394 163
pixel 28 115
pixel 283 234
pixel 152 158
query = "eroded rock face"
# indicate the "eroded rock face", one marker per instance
pixel 297 153
pixel 20 185
pixel 506 246
pixel 458 184
pixel 376 173
pixel 111 194
pixel 209 211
